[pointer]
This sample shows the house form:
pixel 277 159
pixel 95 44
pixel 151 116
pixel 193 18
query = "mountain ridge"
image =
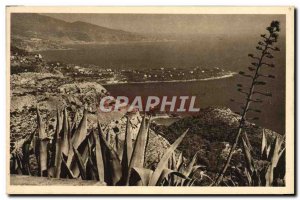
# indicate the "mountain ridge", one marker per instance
pixel 34 32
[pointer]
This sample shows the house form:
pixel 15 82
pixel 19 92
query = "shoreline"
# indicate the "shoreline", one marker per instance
pixel 175 81
pixel 70 46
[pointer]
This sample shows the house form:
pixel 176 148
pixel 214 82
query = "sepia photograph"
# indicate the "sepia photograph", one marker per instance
pixel 150 100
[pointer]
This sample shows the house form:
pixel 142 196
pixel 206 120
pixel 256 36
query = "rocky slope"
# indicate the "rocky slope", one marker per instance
pixel 211 132
pixel 52 92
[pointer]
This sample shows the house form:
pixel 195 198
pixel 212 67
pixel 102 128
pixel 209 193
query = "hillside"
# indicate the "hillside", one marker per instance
pixel 37 32
pixel 210 132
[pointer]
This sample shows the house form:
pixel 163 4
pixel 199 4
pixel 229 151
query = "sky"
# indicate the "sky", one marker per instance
pixel 180 24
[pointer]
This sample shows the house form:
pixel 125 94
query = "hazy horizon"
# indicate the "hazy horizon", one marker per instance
pixel 179 24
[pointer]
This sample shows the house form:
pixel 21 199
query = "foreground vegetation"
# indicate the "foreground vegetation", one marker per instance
pixel 75 152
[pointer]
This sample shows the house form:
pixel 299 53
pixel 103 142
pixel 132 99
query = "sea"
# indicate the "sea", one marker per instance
pixel 225 52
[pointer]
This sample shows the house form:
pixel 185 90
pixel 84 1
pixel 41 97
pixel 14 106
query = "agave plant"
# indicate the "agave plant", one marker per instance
pixel 19 163
pixel 75 152
pixel 148 177
pixel 270 169
pixel 188 169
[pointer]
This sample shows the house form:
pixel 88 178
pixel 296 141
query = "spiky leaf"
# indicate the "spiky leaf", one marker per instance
pixel 78 137
pixel 99 159
pixel 80 163
pixel 162 163
pixel 140 176
pixel 138 154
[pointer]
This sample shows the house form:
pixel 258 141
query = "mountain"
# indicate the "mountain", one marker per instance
pixel 35 31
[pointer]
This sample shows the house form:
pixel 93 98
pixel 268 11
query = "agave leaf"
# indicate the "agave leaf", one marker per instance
pixel 35 147
pixel 44 156
pixel 13 164
pixel 84 155
pixel 280 169
pixel 57 143
pixel 170 179
pixel 264 154
pixel 187 171
pixel 179 161
pixel 140 176
pixel 268 175
pixel 264 145
pixel 138 154
pixel 90 170
pixel 162 163
pixel 65 170
pixel 174 161
pixel 188 182
pixel 249 160
pixel 41 127
pixel 54 145
pixel 168 173
pixel 90 147
pixel 105 156
pixel 65 134
pixel 99 159
pixel 195 169
pixel 190 172
pixel 63 144
pixel 169 164
pixel 114 167
pixel 43 143
pixel 127 152
pixel 256 180
pixel 74 125
pixel 58 159
pixel 118 147
pixel 78 137
pixel 179 168
pixel 80 164
pixel 83 149
pixel 26 153
pixel 272 149
pixel 249 178
pixel 19 167
pixel 273 157
pixel 191 182
pixel 245 136
pixel 69 132
pixel 277 150
pixel 91 140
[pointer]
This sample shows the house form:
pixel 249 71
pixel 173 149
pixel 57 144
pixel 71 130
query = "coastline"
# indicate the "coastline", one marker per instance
pixel 229 75
pixel 71 46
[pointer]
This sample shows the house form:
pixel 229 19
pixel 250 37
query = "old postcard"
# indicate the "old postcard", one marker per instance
pixel 150 100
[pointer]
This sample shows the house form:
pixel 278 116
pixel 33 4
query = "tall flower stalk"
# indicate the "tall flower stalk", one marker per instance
pixel 265 47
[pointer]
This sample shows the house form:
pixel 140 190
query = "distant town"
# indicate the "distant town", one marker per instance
pixel 162 74
pixel 23 61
